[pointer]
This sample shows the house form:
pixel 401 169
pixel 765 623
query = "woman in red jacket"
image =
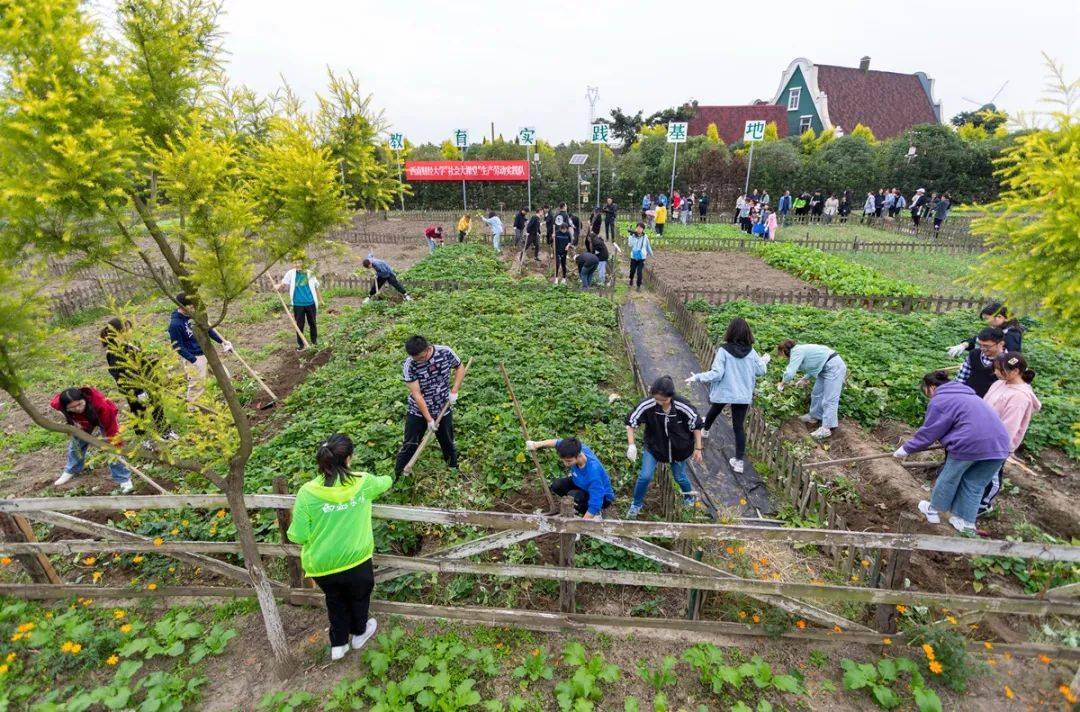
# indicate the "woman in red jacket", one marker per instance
pixel 89 409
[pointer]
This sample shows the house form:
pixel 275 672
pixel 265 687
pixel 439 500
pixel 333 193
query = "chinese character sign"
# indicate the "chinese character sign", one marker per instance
pixel 600 133
pixel 754 131
pixel 527 136
pixel 397 142
pixel 466 170
pixel 461 138
pixel 676 132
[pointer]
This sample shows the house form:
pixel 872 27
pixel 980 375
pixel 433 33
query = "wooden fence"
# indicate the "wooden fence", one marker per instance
pixel 748 243
pixel 823 299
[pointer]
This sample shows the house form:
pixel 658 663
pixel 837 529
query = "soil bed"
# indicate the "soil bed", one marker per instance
pixel 722 270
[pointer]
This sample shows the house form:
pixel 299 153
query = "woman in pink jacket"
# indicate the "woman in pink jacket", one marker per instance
pixel 1015 402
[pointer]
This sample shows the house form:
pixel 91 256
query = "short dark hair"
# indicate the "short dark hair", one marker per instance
pixel 568 447
pixel 112 329
pixel 738 332
pixel 663 386
pixel 332 456
pixel 785 347
pixel 995 309
pixel 935 379
pixel 183 300
pixel 562 205
pixel 416 345
pixel 991 333
pixel 366 262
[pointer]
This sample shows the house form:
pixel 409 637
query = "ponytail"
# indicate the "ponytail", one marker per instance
pixel 935 379
pixel 332 457
pixel 784 347
pixel 1014 361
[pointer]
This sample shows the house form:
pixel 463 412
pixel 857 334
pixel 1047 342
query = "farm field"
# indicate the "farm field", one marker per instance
pixel 722 270
pixel 936 272
pixel 848 232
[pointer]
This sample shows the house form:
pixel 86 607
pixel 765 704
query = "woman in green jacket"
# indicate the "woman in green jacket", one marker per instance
pixel 332 524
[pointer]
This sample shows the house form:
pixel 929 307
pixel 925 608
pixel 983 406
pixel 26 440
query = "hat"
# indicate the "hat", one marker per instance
pixel 921 190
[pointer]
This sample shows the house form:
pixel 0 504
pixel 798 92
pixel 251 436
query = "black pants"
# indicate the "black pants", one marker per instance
pixel 348 594
pixel 137 407
pixel 746 224
pixel 415 427
pixel 660 228
pixel 534 240
pixel 565 486
pixel 300 314
pixel 738 423
pixel 392 280
pixel 639 267
pixel 561 244
pixel 609 229
pixel 461 235
pixel 702 214
pixel 990 493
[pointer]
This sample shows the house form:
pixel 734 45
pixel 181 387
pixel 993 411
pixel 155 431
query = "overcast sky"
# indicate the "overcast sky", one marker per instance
pixel 434 66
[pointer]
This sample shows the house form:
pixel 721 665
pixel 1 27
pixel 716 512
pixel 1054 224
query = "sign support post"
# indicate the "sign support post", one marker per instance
pixel 599 137
pixel 527 138
pixel 397 144
pixel 578 159
pixel 753 132
pixel 676 134
pixel 461 140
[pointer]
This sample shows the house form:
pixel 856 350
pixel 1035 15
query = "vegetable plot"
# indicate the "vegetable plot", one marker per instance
pixel 836 273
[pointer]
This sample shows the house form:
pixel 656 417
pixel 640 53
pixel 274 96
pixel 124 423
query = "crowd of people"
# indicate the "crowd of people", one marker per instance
pixel 827 207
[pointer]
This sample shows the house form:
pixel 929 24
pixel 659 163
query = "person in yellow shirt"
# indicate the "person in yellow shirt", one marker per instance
pixel 661 218
pixel 464 226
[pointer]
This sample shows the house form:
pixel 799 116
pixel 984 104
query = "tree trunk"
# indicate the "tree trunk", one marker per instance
pixel 284 663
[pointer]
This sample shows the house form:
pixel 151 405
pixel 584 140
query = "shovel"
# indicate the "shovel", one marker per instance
pixel 427 436
pixel 273 397
pixel 295 326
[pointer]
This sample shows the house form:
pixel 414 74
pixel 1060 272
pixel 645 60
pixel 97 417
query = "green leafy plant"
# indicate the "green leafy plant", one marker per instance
pixel 285 701
pixel 585 687
pixel 535 666
pixel 949 651
pixel 727 680
pixel 879 682
pixel 833 272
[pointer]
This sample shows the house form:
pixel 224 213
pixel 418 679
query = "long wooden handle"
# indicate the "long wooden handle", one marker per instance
pixel 540 479
pixel 253 374
pixel 144 477
pixel 295 326
pixel 427 436
pixel 861 458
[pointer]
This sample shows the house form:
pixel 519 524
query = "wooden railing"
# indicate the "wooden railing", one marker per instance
pixel 824 299
pixel 713 244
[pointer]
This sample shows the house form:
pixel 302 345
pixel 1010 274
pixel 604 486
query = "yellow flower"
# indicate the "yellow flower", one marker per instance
pixel 67 646
pixel 756 618
pixel 221 514
pixel 10 657
pixel 935 667
pixel 1009 693
pixel 126 628
pixel 800 624
pixel 928 650
pixel 742 614
pixel 76 648
pixel 48 615
pixel 3 669
pixel 536 651
pixel 900 608
pixel 118 614
pixel 988 645
pixel 112 660
pixel 865 563
pixel 730 550
pixel 174 532
pixel 951 619
pixel 158 541
pixel 151 587
pixel 742 549
pixel 184 523
pixel 130 514
pixel 837 629
pixel 89 560
pixel 25 627
pixel 1044 659
pixel 96 576
pixel 1067 694
pixel 16 637
pixel 137 559
pixel 5 561
pixel 86 602
pixel 886 641
pixel 172 569
pixel 742 501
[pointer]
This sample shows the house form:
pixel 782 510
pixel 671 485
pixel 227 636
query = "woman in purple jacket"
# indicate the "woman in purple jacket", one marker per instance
pixel 976 444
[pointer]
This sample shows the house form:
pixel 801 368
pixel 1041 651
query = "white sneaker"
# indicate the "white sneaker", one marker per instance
pixel 821 433
pixel 704 434
pixel 126 487
pixel 337 652
pixel 633 512
pixel 64 478
pixel 357 641
pixel 736 465
pixel 962 526
pixel 808 419
pixel 366 300
pixel 930 513
pixel 408 297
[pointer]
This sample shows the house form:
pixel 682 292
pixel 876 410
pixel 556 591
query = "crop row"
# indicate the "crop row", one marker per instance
pixel 835 273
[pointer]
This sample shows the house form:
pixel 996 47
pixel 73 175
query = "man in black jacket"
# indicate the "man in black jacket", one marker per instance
pixel 564 233
pixel 610 211
pixel 532 232
pixel 519 226
pixel 549 223
pixel 977 371
pixel 596 245
pixel 672 435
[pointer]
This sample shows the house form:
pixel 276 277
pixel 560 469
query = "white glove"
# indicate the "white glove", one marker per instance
pixel 955 351
pixel 432 426
pixel 766 359
pixel 453 397
pixel 142 397
pixel 631 453
pixel 900 452
pixel 366 300
pixel 691 379
pixel 226 346
pixel 780 386
pixel 532 445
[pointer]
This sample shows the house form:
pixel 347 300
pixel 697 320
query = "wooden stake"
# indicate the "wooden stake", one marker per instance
pixel 254 375
pixel 541 480
pixel 567 589
pixel 292 320
pixel 284 519
pixel 14 528
pixel 427 436
pixel 895 572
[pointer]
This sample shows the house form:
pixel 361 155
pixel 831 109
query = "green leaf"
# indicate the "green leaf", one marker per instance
pixel 885 696
pixel 887 669
pixel 927 700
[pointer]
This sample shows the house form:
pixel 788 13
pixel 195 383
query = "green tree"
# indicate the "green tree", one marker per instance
pixel 624 127
pixel 986 117
pixel 684 112
pixel 88 124
pixel 1032 231
pixel 776 167
pixel 771 133
pixel 848 162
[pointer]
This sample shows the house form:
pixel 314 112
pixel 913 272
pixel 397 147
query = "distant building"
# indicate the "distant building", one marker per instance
pixel 731 120
pixel 823 96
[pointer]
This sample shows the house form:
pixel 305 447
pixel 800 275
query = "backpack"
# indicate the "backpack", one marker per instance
pixel 759 228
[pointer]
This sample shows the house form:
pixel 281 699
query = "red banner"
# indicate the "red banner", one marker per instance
pixel 466 170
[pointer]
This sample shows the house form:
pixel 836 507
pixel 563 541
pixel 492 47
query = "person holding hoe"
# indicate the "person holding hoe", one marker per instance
pixel 88 409
pixel 182 336
pixel 464 227
pixel 136 374
pixel 828 371
pixel 384 274
pixel 426 372
pixel 303 289
pixel 672 435
pixel 331 522
pixel 494 222
pixel 588 482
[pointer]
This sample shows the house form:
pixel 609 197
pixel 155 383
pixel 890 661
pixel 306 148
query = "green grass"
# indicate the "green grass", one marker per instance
pixel 937 272
pixel 850 232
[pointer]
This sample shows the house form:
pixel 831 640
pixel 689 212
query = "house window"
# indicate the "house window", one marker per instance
pixel 805 121
pixel 793 98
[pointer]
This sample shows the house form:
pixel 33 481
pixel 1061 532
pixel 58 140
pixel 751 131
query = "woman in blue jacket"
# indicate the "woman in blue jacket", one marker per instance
pixel 731 381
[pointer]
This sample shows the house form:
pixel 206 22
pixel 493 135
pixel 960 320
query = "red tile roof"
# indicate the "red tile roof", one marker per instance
pixel 731 120
pixel 887 102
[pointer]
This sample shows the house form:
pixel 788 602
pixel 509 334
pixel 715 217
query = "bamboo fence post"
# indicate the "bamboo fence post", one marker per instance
pixel 567 589
pixel 14 528
pixel 541 480
pixel 895 572
pixel 695 596
pixel 284 519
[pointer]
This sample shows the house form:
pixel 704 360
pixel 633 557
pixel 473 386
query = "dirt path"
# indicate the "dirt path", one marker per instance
pixel 722 270
pixel 661 350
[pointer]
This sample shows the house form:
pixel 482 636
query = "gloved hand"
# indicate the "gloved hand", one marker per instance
pixel 900 452
pixel 631 453
pixel 142 397
pixel 366 300
pixel 532 445
pixel 780 386
pixel 226 346
pixel 691 379
pixel 453 397
pixel 766 359
pixel 955 351
pixel 802 382
pixel 432 426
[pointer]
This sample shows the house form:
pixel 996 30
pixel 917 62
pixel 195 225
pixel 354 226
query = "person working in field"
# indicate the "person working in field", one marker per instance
pixel 564 234
pixel 587 264
pixel 997 315
pixel 303 289
pixel 137 376
pixel 640 250
pixel 1013 399
pixel 88 409
pixel 672 435
pixel 977 371
pixel 494 222
pixel 976 445
pixel 427 372
pixel 532 234
pixel 588 482
pixel 828 371
pixel 464 227
pixel 331 522
pixel 661 218
pixel 182 336
pixel 596 245
pixel 384 274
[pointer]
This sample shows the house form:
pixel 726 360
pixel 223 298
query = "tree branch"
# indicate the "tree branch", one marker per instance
pixel 160 238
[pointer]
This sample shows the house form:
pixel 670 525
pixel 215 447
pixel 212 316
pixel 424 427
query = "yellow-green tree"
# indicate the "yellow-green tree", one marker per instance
pixel 132 151
pixel 712 133
pixel 1032 231
pixel 864 132
pixel 771 133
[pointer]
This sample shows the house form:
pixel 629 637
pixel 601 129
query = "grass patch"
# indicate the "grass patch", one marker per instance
pixel 936 272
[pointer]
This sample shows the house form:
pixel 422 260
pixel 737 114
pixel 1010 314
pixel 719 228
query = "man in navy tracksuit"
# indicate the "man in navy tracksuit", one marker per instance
pixel 182 336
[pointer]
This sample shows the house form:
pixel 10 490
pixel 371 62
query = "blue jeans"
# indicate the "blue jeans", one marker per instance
pixel 76 461
pixel 586 276
pixel 960 485
pixel 601 272
pixel 825 398
pixel 431 245
pixel 495 240
pixel 648 469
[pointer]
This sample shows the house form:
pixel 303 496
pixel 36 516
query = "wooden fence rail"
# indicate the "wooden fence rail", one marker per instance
pixel 748 243
pixel 824 299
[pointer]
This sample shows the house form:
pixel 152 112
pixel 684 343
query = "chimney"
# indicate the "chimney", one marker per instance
pixel 864 64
